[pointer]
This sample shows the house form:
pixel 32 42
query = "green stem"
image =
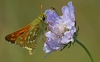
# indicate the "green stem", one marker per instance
pixel 84 49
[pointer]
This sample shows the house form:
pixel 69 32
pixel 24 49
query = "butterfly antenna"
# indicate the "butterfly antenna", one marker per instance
pixel 41 8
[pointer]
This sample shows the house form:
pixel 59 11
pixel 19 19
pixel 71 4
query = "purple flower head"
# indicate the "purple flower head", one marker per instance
pixel 62 28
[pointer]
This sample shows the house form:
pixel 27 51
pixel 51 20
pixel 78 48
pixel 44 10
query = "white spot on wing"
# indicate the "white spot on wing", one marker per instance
pixel 30 32
pixel 33 40
pixel 28 37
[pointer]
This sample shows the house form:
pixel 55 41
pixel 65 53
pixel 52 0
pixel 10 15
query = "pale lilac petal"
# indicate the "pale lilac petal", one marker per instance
pixel 68 11
pixel 65 12
pixel 57 30
pixel 46 48
pixel 51 16
pixel 71 8
pixel 52 45
pixel 64 40
pixel 73 30
pixel 69 24
pixel 68 37
pixel 49 34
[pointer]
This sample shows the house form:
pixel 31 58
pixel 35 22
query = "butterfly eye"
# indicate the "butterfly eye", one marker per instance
pixel 43 17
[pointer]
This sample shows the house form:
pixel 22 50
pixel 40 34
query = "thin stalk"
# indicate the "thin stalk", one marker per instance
pixel 84 49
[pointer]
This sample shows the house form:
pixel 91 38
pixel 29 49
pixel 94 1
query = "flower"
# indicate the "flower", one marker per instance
pixel 61 28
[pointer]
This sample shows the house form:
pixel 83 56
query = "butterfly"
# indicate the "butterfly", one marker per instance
pixel 29 36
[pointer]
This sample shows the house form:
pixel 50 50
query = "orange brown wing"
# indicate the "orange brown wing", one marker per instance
pixel 13 36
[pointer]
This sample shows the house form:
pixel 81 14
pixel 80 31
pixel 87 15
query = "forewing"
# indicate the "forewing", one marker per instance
pixel 13 36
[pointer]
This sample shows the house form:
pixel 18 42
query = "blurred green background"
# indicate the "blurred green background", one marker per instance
pixel 14 14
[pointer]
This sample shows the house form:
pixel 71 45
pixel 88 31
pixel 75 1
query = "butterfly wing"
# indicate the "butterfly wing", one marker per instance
pixel 13 36
pixel 29 36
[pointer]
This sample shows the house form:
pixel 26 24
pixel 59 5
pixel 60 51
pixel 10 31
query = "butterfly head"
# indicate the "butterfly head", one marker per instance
pixel 42 17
